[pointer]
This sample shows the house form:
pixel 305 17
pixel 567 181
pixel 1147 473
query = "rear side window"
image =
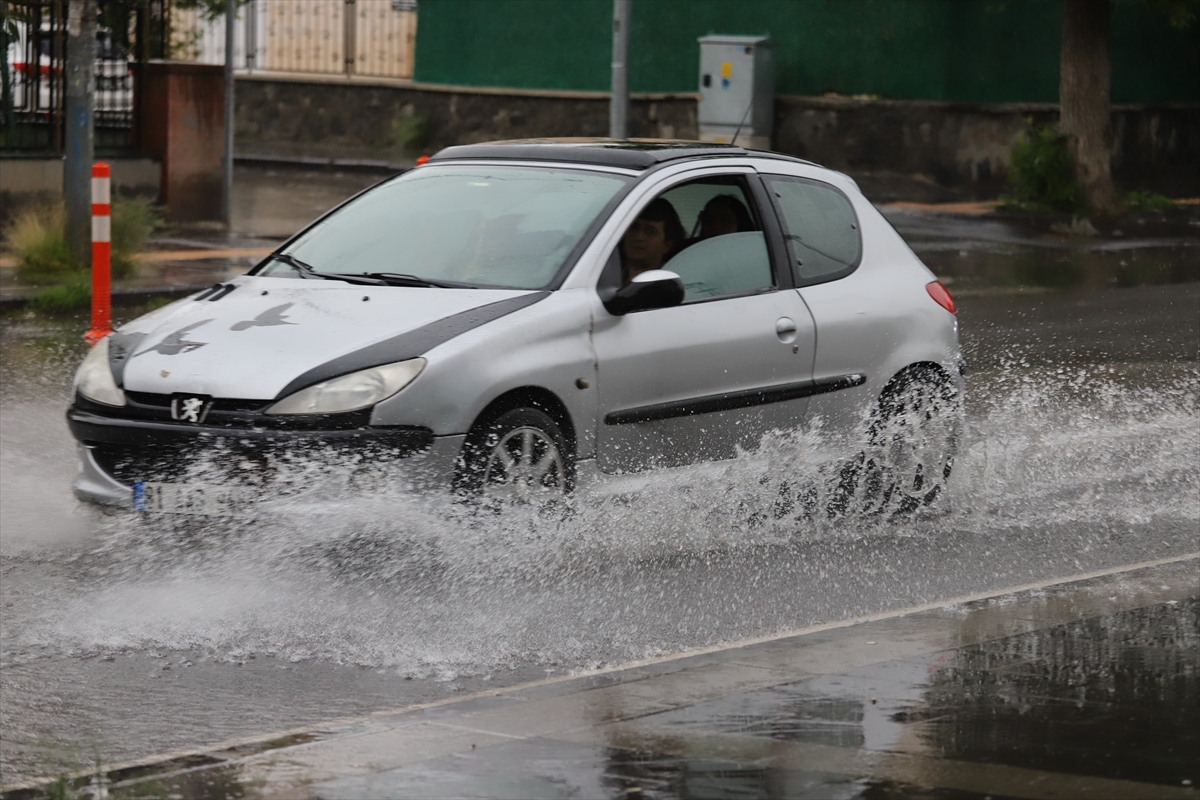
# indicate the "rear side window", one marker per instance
pixel 820 226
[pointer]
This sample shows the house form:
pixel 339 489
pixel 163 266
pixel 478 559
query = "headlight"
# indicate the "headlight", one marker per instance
pixel 94 380
pixel 351 392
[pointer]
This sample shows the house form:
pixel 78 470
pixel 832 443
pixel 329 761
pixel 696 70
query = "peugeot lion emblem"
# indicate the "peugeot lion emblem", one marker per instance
pixel 189 409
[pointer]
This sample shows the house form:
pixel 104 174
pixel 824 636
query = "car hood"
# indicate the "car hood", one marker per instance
pixel 258 339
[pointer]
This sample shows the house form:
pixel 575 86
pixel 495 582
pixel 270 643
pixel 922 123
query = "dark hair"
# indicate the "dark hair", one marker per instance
pixel 661 210
pixel 728 201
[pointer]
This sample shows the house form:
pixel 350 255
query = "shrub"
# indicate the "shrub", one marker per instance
pixel 36 237
pixel 1148 201
pixel 1041 175
pixel 408 134
pixel 134 220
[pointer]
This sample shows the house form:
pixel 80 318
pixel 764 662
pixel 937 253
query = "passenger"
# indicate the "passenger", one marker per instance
pixel 653 238
pixel 724 214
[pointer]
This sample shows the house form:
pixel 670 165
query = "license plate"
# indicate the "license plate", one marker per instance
pixel 179 498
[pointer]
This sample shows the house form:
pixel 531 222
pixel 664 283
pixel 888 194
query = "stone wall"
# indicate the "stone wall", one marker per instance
pixel 382 119
pixel 896 148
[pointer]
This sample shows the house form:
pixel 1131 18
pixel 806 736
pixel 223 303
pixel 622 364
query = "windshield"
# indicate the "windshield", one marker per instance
pixel 510 227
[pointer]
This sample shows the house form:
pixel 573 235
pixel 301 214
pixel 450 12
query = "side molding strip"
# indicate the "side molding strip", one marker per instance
pixel 733 400
pixel 413 343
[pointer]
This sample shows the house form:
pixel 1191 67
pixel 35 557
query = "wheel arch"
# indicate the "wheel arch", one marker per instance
pixel 537 397
pixel 914 371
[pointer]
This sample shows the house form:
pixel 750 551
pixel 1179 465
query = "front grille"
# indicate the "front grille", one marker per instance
pixel 243 462
pixel 162 403
pixel 226 412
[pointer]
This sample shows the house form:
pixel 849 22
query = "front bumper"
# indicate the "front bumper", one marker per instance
pixel 116 452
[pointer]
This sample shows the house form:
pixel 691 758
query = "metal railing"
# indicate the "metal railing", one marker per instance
pixel 32 105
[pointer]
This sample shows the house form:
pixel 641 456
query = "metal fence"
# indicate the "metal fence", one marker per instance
pixel 32 106
pixel 331 37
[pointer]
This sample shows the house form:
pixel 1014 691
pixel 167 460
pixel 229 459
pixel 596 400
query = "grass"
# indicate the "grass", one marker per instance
pixel 1148 201
pixel 37 237
pixel 72 295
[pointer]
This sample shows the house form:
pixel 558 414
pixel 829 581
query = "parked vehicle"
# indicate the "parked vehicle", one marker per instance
pixel 484 320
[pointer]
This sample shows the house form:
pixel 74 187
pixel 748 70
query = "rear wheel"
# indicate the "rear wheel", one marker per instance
pixel 912 439
pixel 520 458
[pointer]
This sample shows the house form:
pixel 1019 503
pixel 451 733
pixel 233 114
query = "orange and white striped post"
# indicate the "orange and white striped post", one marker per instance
pixel 101 253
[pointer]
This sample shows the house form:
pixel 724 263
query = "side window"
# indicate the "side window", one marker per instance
pixel 820 227
pixel 706 231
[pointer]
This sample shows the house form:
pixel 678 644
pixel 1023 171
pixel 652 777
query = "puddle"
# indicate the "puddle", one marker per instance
pixel 1112 697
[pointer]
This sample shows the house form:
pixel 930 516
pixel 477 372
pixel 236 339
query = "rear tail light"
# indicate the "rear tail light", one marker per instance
pixel 941 295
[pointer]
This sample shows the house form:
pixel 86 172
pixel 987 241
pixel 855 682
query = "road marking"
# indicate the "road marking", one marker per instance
pixel 216 749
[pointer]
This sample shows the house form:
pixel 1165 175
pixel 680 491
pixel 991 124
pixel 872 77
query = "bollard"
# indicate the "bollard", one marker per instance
pixel 101 254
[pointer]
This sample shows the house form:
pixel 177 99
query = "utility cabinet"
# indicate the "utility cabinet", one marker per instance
pixel 737 90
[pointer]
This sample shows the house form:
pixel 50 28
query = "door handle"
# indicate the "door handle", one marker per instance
pixel 785 329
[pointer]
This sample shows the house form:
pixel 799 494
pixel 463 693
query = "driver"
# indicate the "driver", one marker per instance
pixel 652 239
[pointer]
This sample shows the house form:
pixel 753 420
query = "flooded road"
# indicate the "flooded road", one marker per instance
pixel 124 637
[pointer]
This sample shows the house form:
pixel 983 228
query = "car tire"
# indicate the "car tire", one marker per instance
pixel 912 438
pixel 519 458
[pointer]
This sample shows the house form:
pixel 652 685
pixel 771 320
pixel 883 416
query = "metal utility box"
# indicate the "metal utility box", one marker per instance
pixel 737 88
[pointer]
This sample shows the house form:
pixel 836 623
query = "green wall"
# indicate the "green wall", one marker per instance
pixel 961 50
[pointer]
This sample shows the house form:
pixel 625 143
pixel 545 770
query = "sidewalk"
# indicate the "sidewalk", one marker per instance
pixel 177 266
pixel 1084 689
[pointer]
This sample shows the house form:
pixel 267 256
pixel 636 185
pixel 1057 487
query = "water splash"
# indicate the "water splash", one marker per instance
pixel 690 558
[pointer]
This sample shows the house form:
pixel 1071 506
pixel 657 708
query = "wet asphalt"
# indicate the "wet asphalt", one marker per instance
pixel 121 640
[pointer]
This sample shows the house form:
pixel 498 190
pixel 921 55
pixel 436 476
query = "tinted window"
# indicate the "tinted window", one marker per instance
pixel 820 227
pixel 722 251
pixel 491 226
pixel 733 264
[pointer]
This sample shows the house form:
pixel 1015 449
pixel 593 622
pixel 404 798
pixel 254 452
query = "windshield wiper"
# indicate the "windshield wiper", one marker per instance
pixel 404 279
pixel 307 271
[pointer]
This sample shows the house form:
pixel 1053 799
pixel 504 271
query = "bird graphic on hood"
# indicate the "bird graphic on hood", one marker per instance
pixel 272 316
pixel 175 343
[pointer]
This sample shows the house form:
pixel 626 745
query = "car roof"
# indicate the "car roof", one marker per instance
pixel 634 154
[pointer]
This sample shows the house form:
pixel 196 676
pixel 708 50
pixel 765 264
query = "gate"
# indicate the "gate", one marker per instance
pixel 129 33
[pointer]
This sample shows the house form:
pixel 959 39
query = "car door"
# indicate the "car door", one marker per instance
pixel 732 362
pixel 856 320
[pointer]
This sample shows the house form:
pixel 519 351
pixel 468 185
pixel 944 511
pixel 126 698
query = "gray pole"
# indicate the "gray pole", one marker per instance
pixel 78 128
pixel 618 113
pixel 227 164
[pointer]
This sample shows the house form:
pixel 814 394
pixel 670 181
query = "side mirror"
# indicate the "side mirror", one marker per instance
pixel 658 288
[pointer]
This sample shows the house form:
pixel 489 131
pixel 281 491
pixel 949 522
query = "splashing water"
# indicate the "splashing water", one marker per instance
pixel 675 560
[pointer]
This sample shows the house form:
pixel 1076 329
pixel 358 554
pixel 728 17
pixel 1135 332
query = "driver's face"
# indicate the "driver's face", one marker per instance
pixel 646 241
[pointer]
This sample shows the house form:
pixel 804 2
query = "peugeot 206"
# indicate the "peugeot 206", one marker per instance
pixel 518 319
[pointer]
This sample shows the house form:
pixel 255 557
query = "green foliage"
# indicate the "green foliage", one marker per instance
pixel 37 237
pixel 60 790
pixel 1180 13
pixel 134 220
pixel 72 295
pixel 408 134
pixel 1148 201
pixel 1041 176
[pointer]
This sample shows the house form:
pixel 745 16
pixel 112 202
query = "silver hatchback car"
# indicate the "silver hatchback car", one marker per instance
pixel 517 319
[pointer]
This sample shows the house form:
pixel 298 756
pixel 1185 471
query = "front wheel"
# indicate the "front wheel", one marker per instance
pixel 517 459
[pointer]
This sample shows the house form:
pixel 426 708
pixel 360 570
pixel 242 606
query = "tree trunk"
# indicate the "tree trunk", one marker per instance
pixel 1083 91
